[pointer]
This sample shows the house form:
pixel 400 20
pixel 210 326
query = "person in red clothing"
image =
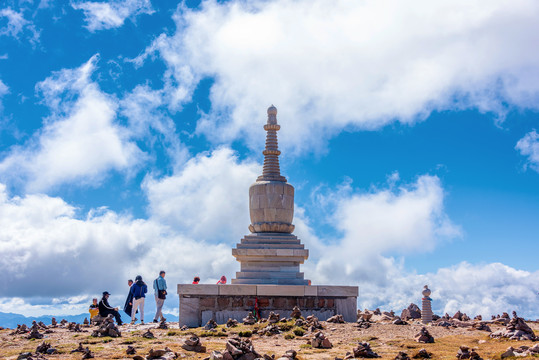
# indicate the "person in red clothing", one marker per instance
pixel 196 280
pixel 222 280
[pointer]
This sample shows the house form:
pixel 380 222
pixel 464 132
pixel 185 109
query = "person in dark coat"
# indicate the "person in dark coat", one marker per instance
pixel 138 293
pixel 105 309
pixel 128 306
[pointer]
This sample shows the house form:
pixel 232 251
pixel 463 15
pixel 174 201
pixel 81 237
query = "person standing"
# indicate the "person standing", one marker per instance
pixel 138 294
pixel 160 289
pixel 105 309
pixel 128 306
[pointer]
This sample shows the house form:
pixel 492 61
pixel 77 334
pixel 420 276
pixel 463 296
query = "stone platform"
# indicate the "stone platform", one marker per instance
pixel 200 303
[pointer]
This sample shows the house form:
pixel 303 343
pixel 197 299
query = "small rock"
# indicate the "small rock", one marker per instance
pixel 402 356
pixel 148 335
pixel 130 350
pixel 422 354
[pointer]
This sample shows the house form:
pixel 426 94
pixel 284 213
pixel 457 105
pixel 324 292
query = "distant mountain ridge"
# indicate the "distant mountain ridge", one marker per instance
pixel 11 320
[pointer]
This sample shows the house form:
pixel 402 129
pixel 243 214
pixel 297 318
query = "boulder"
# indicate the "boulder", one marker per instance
pixel 411 312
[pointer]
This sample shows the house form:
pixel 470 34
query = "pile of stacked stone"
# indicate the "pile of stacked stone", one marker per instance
pixel 478 318
pixel 402 356
pixel 34 333
pixel 517 329
pixel 30 356
pixel 86 323
pixel 161 354
pixel 422 354
pixel 63 322
pixel 521 351
pixel 148 335
pixel 74 327
pixel 107 328
pixel 313 323
pixel 412 312
pixel 21 329
pixel 363 350
pixel 184 328
pixel 363 324
pixel 162 325
pixel 320 341
pixel 97 320
pixel 300 323
pixel 231 323
pixel 288 355
pixel 273 317
pixel 130 350
pixel 269 330
pixel 465 353
pixel 249 319
pixel 424 336
pixel 296 313
pixel 399 321
pixel 54 323
pixel 193 344
pixel 45 348
pixel 337 319
pixel 211 324
pixel 482 326
pixel 236 348
pixel 80 349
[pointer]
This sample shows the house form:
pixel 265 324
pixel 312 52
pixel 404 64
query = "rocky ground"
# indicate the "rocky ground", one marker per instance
pixel 268 340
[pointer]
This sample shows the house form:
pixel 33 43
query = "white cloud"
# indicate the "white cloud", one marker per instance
pixel 381 222
pixel 354 65
pixel 17 25
pixel 212 186
pixel 79 141
pixel 529 146
pixel 112 14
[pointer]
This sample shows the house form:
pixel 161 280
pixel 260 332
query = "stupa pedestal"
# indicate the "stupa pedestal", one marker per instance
pixel 200 303
pixel 270 260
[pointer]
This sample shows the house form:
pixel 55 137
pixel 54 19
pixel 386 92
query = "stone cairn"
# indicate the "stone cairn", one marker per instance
pixel 193 344
pixel 426 308
pixel 211 324
pixel 148 335
pixel 130 350
pixel 273 317
pixel 465 353
pixel 296 313
pixel 162 354
pixel 46 348
pixel 162 325
pixel 422 354
pixel 34 333
pixel 231 323
pixel 249 319
pixel 236 348
pixel 363 350
pixel 521 351
pixel 402 356
pixel 336 319
pixel 424 336
pixel 320 341
pixel 517 329
pixel 288 355
pixel 107 328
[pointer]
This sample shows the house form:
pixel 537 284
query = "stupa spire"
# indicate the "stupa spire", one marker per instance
pixel 271 170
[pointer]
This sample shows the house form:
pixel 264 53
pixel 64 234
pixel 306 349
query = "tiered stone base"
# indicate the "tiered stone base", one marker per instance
pixel 270 258
pixel 200 303
pixel 426 311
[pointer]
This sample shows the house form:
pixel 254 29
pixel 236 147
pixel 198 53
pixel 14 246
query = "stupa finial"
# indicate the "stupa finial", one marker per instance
pixel 271 170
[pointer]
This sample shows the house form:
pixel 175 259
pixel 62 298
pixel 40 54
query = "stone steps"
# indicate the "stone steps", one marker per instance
pixel 270 246
pixel 268 275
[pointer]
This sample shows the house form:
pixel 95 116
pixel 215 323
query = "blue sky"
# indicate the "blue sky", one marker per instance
pixel 131 130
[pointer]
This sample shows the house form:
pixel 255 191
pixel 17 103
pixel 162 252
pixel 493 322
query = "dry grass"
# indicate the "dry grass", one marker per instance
pixel 386 340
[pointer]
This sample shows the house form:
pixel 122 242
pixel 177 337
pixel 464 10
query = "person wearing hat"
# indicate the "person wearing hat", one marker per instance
pixel 105 309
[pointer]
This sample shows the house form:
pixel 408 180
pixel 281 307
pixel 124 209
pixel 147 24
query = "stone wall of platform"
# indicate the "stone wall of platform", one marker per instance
pixel 200 303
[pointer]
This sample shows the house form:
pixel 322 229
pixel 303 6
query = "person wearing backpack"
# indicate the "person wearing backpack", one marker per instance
pixel 160 288
pixel 138 294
